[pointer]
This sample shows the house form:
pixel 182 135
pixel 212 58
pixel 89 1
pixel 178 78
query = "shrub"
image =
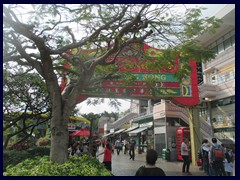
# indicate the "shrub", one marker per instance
pixel 19 146
pixel 42 166
pixel 43 141
pixel 39 151
pixel 13 157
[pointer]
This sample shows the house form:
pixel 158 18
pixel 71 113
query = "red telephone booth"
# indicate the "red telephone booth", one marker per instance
pixel 181 134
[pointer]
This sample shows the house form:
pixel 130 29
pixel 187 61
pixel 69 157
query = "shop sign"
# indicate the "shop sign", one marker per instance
pixel 71 126
pixel 166 84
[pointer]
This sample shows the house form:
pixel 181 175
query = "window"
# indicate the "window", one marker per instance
pixel 215 50
pixel 227 43
pixel 220 48
pixel 233 99
pixel 226 101
pixel 223 43
pixel 221 78
pixel 226 76
pixel 213 79
pixel 220 102
pixel 214 104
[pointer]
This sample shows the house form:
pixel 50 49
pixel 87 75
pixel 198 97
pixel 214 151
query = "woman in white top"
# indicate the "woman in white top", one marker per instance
pixel 185 152
pixel 228 167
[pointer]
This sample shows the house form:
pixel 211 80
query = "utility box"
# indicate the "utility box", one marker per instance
pixel 168 155
pixel 164 154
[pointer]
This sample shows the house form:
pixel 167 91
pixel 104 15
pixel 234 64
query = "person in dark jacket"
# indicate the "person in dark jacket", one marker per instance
pixel 132 144
pixel 150 169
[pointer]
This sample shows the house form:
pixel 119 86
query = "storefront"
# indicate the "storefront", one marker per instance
pixel 144 134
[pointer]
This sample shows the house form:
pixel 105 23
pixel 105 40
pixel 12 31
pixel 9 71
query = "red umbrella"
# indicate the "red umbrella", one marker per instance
pixel 81 132
pixel 95 135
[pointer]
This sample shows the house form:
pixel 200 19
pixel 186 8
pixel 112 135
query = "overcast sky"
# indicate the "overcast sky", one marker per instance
pixel 84 108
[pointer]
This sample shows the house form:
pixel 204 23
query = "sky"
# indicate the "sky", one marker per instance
pixel 85 109
pixel 211 10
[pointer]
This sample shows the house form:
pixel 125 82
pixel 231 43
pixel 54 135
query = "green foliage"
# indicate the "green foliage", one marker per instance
pixel 19 146
pixel 13 157
pixel 43 141
pixel 39 151
pixel 19 87
pixel 23 92
pixel 42 166
pixel 195 24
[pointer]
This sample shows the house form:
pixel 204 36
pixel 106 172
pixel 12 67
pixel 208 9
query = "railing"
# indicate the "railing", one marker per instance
pixel 175 111
pixel 224 137
pixel 206 127
pixel 123 120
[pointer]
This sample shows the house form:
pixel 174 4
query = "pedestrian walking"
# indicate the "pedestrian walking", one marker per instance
pixel 185 152
pixel 228 166
pixel 107 159
pixel 150 168
pixel 132 145
pixel 125 144
pixel 118 146
pixel 103 142
pixel 216 158
pixel 205 151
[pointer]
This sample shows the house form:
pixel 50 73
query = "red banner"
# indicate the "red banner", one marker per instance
pixel 129 60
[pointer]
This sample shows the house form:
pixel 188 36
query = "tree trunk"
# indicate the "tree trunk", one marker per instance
pixel 61 110
pixel 59 131
pixel 6 141
pixel 59 140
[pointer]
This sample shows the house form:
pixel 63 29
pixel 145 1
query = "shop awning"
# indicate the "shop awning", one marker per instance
pixel 108 134
pixel 119 131
pixel 130 129
pixel 138 130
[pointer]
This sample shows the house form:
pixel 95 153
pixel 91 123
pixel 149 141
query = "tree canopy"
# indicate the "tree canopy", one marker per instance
pixel 25 99
pixel 40 37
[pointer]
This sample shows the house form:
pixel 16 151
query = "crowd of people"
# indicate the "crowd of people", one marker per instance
pixel 149 169
pixel 216 159
pixel 118 145
pixel 78 148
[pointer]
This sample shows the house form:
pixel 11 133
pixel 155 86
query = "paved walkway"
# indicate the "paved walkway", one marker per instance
pixel 123 166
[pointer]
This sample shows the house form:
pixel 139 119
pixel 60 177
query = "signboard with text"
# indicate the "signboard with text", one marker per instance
pixel 165 83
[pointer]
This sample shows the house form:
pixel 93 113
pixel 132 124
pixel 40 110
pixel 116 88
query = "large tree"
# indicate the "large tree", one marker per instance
pixel 40 37
pixel 25 99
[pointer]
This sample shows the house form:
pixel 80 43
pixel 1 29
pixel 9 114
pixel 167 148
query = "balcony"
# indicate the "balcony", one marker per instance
pixel 166 109
pixel 207 90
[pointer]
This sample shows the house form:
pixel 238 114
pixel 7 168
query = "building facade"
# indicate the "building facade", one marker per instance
pixel 217 91
pixel 158 121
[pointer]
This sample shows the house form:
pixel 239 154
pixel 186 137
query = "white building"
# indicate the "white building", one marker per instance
pixel 217 90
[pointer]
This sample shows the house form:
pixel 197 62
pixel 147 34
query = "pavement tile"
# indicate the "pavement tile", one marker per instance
pixel 123 166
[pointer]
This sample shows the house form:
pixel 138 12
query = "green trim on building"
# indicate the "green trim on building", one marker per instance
pixel 143 119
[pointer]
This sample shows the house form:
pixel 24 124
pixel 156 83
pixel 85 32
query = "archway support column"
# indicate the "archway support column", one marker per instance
pixel 195 134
